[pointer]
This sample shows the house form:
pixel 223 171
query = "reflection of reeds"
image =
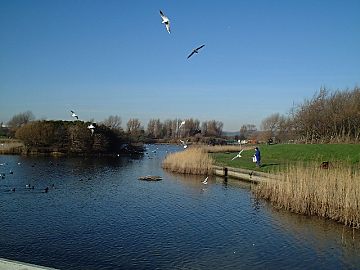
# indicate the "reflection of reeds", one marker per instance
pixel 193 161
pixel 333 193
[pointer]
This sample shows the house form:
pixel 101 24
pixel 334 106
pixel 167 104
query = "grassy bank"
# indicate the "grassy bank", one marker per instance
pixel 278 157
pixel 194 160
pixel 332 193
pixel 302 186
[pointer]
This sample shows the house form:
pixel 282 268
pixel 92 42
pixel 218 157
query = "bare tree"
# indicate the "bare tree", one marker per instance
pixel 113 122
pixel 155 129
pixel 167 129
pixel 134 126
pixel 270 126
pixel 327 117
pixel 204 128
pixel 190 127
pixel 247 131
pixel 20 119
pixel 212 128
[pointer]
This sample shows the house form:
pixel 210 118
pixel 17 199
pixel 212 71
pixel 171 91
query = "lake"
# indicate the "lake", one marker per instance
pixel 98 215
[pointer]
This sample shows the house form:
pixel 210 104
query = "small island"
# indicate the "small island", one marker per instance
pixel 150 178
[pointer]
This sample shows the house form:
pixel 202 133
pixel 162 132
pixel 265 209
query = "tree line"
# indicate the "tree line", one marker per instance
pixel 108 137
pixel 328 117
pixel 178 128
pixel 170 129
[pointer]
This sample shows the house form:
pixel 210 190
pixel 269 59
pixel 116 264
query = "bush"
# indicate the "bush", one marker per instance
pixel 69 137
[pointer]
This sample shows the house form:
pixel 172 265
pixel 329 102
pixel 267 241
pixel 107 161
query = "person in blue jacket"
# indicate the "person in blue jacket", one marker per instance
pixel 258 157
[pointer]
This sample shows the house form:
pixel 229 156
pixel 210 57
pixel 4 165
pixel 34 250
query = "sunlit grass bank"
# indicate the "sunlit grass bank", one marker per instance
pixel 332 193
pixel 278 157
pixel 193 160
pixel 302 186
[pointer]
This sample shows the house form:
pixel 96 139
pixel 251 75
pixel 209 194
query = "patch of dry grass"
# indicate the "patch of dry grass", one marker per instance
pixel 10 147
pixel 194 160
pixel 333 193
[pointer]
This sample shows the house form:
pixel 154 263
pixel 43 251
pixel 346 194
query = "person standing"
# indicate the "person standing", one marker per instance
pixel 257 156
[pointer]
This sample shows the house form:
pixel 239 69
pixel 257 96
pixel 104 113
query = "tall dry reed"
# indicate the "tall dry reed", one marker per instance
pixel 11 147
pixel 333 193
pixel 193 160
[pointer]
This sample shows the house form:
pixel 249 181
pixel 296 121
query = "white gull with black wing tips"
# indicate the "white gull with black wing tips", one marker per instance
pixel 165 20
pixel 73 114
pixel 205 180
pixel 195 51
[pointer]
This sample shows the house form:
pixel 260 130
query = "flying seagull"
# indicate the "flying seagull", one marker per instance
pixel 91 127
pixel 181 124
pixel 165 20
pixel 195 51
pixel 184 144
pixel 205 180
pixel 73 114
pixel 238 155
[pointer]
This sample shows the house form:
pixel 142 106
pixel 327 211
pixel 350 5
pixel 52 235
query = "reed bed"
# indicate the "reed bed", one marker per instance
pixel 194 160
pixel 332 193
pixel 12 147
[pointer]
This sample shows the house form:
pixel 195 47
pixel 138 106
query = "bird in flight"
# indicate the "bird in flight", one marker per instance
pixel 165 21
pixel 92 128
pixel 195 51
pixel 238 155
pixel 181 124
pixel 205 180
pixel 184 144
pixel 73 114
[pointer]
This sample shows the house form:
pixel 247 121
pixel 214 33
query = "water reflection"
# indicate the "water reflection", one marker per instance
pixel 98 215
pixel 327 238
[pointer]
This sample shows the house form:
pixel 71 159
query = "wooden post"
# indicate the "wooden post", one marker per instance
pixel 225 171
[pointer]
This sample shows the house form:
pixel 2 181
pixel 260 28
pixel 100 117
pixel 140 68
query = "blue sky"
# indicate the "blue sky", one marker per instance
pixel 102 58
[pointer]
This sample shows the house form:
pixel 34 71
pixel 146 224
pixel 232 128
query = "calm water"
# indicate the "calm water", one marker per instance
pixel 97 215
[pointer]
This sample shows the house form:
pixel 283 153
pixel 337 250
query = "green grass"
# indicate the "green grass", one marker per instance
pixel 279 156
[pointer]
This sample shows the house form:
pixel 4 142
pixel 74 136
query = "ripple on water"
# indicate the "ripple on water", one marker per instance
pixel 99 216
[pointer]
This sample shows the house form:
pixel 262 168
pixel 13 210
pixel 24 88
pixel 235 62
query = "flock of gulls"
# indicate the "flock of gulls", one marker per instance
pixel 166 22
pixel 92 126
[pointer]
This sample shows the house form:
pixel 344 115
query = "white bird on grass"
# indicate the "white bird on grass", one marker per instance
pixel 195 51
pixel 205 180
pixel 165 21
pixel 184 144
pixel 73 114
pixel 238 155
